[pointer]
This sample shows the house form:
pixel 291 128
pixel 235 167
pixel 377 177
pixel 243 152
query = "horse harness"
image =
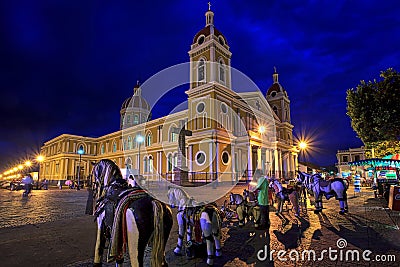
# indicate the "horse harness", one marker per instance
pixel 108 203
pixel 192 217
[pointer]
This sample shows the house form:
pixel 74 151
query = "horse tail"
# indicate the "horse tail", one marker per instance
pixel 157 252
pixel 216 221
pixel 346 183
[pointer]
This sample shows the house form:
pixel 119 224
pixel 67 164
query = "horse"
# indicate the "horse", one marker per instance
pixel 127 216
pixel 203 217
pixel 248 209
pixel 285 194
pixel 333 188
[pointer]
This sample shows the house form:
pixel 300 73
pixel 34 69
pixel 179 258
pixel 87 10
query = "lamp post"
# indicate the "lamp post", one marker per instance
pixel 139 139
pixel 39 159
pixel 80 152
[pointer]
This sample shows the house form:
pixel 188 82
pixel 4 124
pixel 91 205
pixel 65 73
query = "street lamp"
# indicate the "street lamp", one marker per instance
pixel 39 159
pixel 80 152
pixel 139 139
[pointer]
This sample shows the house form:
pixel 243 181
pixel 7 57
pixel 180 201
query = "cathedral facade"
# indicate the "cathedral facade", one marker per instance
pixel 222 135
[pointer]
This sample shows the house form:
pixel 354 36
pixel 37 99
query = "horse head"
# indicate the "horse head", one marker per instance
pixel 171 197
pixel 301 176
pixel 105 172
pixel 178 197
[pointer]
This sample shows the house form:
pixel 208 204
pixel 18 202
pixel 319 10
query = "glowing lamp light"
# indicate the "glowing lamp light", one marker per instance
pixel 302 145
pixel 20 166
pixel 28 163
pixel 80 151
pixel 139 139
pixel 40 158
pixel 262 129
pixel 15 169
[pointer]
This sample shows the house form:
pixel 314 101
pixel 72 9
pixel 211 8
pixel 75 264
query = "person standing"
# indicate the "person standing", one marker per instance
pixel 260 183
pixel 28 184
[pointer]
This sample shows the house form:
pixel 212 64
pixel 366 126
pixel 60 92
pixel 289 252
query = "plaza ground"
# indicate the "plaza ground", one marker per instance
pixel 66 237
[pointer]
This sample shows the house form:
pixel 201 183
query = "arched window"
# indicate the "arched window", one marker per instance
pixel 275 109
pixel 175 160
pixel 169 163
pixel 102 149
pixel 221 71
pixel 148 139
pixel 150 164
pixel 128 119
pixel 173 136
pixel 128 163
pixel 145 165
pixel 135 119
pixel 114 147
pixel 201 70
pixel 129 142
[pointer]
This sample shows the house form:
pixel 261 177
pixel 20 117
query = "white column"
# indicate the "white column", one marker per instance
pixel 259 158
pixel 249 162
pixel 233 162
pixel 191 73
pixel 276 162
pixel 190 158
pixel 212 64
pixel 240 162
pixel 210 167
pixel 217 159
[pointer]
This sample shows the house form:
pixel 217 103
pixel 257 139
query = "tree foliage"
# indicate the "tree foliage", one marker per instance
pixel 374 108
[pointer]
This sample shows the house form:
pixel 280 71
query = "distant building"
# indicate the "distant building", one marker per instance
pixel 349 155
pixel 224 139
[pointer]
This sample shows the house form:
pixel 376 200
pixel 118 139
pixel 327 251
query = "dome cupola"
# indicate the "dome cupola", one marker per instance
pixel 135 109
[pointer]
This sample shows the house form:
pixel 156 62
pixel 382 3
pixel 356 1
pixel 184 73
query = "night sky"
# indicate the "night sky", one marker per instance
pixel 67 66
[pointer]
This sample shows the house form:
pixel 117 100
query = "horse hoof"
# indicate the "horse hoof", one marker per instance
pixel 97 264
pixel 316 211
pixel 341 212
pixel 177 253
pixel 346 210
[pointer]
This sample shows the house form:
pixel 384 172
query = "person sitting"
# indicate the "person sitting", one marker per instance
pixel 45 184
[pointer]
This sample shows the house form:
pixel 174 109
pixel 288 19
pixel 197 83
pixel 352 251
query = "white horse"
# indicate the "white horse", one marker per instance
pixel 127 217
pixel 284 194
pixel 333 188
pixel 190 214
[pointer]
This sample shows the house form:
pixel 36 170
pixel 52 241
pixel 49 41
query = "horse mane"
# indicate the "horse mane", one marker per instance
pixel 106 171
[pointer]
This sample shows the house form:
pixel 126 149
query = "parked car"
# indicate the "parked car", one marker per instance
pixel 16 185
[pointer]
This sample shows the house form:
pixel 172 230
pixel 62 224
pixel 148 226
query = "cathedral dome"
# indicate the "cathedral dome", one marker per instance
pixel 135 109
pixel 276 88
pixel 209 31
pixel 201 36
pixel 136 101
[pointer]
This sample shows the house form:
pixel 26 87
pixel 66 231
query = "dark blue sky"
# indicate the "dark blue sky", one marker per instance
pixel 67 66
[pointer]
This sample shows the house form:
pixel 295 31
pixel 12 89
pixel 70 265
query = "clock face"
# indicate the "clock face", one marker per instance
pixel 200 107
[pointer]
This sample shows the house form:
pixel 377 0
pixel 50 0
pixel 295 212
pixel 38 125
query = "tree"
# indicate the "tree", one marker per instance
pixel 374 109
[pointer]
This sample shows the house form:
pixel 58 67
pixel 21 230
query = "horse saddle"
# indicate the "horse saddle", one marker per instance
pixel 287 191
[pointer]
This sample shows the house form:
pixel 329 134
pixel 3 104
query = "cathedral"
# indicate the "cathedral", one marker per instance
pixel 221 135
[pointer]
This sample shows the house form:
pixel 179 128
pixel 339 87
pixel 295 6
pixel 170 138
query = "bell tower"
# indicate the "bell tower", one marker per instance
pixel 210 58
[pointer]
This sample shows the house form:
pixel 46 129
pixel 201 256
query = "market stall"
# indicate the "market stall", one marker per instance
pixel 384 171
